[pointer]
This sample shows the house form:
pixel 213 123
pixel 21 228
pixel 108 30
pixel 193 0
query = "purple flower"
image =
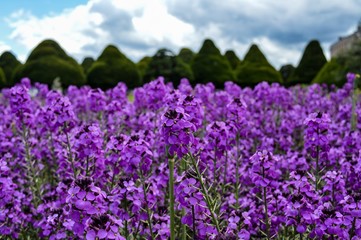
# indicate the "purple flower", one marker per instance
pixel 177 131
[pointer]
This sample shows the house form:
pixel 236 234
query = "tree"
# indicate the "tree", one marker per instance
pixel 113 67
pixel 209 65
pixel 47 62
pixel 255 55
pixel 186 55
pixel 87 63
pixel 165 63
pixel 255 68
pixel 2 78
pixel 142 65
pixel 334 71
pixel 331 73
pixel 311 63
pixel 232 59
pixel 9 63
pixel 286 72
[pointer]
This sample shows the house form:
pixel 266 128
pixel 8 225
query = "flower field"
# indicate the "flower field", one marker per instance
pixel 185 163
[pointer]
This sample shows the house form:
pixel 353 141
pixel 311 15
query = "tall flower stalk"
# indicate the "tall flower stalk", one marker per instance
pixel 177 133
pixel 316 142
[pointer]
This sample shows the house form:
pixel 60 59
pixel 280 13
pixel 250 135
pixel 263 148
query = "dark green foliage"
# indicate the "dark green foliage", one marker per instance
pixel 111 68
pixel 255 55
pixel 286 72
pixel 165 63
pixel 335 70
pixel 186 55
pixel 9 63
pixel 2 78
pixel 311 63
pixel 142 65
pixel 48 48
pixel 250 74
pixel 49 61
pixel 233 59
pixel 87 63
pixel 255 69
pixel 331 73
pixel 209 48
pixel 209 65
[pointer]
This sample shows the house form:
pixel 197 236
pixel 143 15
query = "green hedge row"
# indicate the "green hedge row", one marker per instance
pixel 48 61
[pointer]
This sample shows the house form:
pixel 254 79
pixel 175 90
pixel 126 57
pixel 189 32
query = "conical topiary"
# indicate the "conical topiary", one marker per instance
pixel 111 68
pixel 87 63
pixel 166 64
pixel 186 55
pixel 255 68
pixel 209 65
pixel 2 79
pixel 233 59
pixel 311 63
pixel 142 65
pixel 47 62
pixel 286 72
pixel 255 55
pixel 9 63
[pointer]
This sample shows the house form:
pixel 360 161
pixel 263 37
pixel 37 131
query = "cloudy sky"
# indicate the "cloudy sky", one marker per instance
pixel 281 28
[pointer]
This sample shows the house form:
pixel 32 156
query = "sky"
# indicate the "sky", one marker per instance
pixel 281 28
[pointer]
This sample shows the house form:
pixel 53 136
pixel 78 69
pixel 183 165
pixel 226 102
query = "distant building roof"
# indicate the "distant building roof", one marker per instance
pixel 344 43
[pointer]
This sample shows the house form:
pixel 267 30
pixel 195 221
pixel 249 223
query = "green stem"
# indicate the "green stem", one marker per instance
pixel 194 224
pixel 225 173
pixel 237 171
pixel 126 229
pixel 36 184
pixel 112 182
pixel 125 207
pixel 205 194
pixel 215 165
pixel 266 208
pixel 171 197
pixel 70 154
pixel 149 214
pixel 184 227
pixel 87 167
pixel 317 167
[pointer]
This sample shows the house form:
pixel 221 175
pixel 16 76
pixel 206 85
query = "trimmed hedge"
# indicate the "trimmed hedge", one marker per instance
pixel 87 63
pixel 113 67
pixel 286 72
pixel 311 63
pixel 142 65
pixel 2 78
pixel 165 63
pixel 209 65
pixel 233 59
pixel 186 55
pixel 49 61
pixel 331 73
pixel 255 68
pixel 9 64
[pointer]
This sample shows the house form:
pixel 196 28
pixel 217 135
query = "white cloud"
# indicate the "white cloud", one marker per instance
pixel 66 28
pixel 4 47
pixel 280 54
pixel 156 24
pixel 83 31
pixel 140 27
